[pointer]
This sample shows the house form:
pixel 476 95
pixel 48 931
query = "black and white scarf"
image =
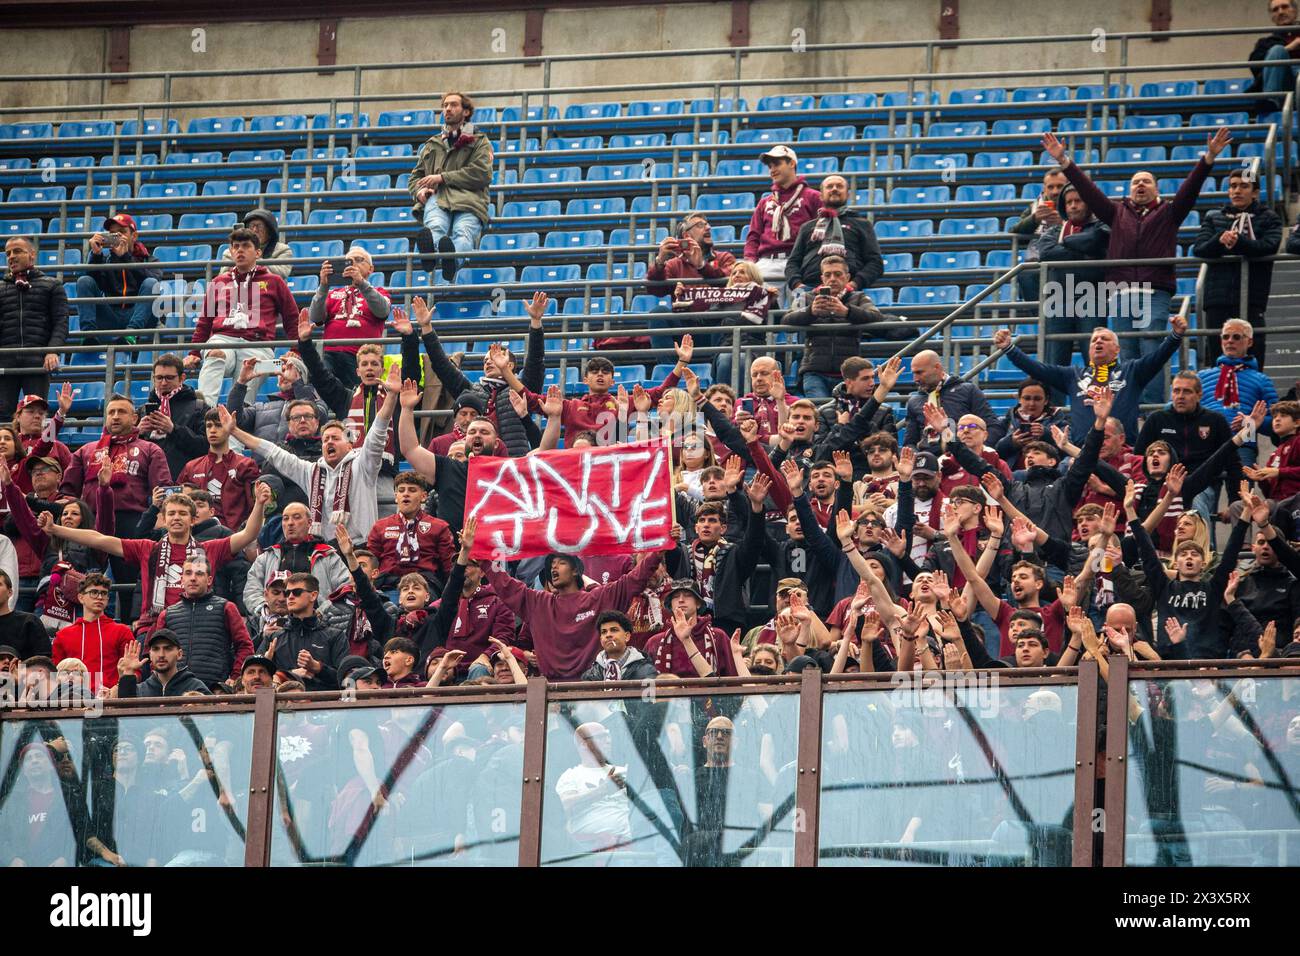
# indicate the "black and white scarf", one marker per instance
pixel 828 232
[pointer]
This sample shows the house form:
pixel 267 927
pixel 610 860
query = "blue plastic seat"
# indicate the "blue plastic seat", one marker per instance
pixel 68 162
pixel 705 138
pixel 354 184
pixel 513 114
pixel 573 305
pixel 195 253
pixel 1169 88
pixel 102 193
pixel 38 193
pixel 899 262
pixel 638 141
pixel 601 173
pixel 904 228
pixel 216 124
pixel 646 108
pixel 50 258
pixel 341 121
pixel 977 97
pixel 599 272
pixel 553 174
pixel 384 246
pixel 929 295
pixel 995 193
pixel 818 165
pixel 846 101
pixel 88 397
pixel 155 222
pixel 336 217
pixel 1021 127
pixel 20 227
pixel 577 239
pixel 983 226
pixel 966 259
pixel 84 128
pixel 724 105
pixel 387 151
pixel 683 170
pixel 303 285
pixel 232 187
pixel 1010 160
pixel 724 202
pixel 318 153
pixel 1135 154
pixel 814 134
pixel 883 131
pixel 144 159
pixel 1095 91
pixel 485 276
pixel 14 164
pixel 1000 258
pixel 1191 154
pixel 475 309
pixel 938 161
pixel 971 128
pixel 595 207
pixel 593 111
pixel 255 156
pixel 786 103
pixel 663 204
pixel 316 248
pixel 390 118
pixel 150 127
pixel 193 159
pixel 558 273
pixel 510 241
pixel 911 195
pixel 208 220
pixel 642 304
pixel 1114 188
pixel 1223 87
pixel 1040 94
pixel 416 280
pixel 539 207
pixel 918 98
pixel 563 144
pixel 881 296
pixel 1080 124
pixel 865 197
pixel 26 131
pixel 531 145
pixel 740 167
pixel 765 136
pixel 881 162
pixel 392 214
pixel 317 185
pixel 1162 121
pixel 1219 119
pixel 282 123
pixel 642 237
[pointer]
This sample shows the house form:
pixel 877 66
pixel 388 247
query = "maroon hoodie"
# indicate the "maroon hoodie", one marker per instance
pixel 797 203
pixel 1138 232
pixel 563 626
pixel 481 616
pixel 139 466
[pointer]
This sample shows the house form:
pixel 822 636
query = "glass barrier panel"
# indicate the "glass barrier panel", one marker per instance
pixel 1213 772
pixel 399 786
pixel 165 790
pixel 678 781
pixel 977 774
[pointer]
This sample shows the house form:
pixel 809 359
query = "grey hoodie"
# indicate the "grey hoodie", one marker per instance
pixel 278 249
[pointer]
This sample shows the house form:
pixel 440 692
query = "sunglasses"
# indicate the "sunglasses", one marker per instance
pixel 294 592
pixel 1232 336
pixel 968 426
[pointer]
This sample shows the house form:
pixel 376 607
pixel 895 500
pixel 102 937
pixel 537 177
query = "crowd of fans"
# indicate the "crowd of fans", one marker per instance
pixel 309 539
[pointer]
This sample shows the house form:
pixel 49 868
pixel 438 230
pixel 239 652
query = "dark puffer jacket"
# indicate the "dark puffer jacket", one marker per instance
pixel 861 252
pixel 1223 279
pixel 824 352
pixel 212 635
pixel 188 438
pixel 35 318
pixel 327 642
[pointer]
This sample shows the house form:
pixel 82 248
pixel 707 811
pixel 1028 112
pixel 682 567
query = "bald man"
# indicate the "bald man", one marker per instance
pixel 837 231
pixel 299 551
pixel 958 398
pixel 594 793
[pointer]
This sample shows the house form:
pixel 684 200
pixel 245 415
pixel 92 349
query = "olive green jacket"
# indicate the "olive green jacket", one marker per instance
pixel 466 170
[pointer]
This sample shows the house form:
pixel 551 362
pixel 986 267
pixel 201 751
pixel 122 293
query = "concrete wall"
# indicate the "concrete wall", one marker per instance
pixel 656 27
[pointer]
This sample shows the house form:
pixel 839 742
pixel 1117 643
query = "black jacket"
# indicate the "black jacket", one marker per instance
pixel 1262 46
pixel 734 566
pixel 203 627
pixel 326 641
pixel 1090 242
pixel 861 251
pixel 35 317
pixel 824 352
pixel 188 439
pixel 184 681
pixel 1223 279
pixel 639 668
pixel 122 282
pixel 1195 438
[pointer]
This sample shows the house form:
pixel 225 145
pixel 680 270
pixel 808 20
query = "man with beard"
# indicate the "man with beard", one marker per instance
pixel 1268 589
pixel 837 231
pixel 299 551
pixel 924 497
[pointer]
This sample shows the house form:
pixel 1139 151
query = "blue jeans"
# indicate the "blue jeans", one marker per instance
pixel 1279 79
pixel 131 317
pixel 465 228
pixel 662 317
pixel 1141 310
pixel 817 386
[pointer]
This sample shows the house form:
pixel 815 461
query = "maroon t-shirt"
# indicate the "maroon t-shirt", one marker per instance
pixel 161 594
pixel 1053 625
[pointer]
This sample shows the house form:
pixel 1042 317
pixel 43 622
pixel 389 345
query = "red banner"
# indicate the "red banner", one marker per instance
pixel 616 499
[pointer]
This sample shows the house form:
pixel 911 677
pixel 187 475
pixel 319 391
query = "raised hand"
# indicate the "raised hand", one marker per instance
pixel 1178 323
pixel 906 462
pixel 423 315
pixel 1109 518
pixel 393 380
pixel 1176 630
pixel 65 398
pixel 246 371
pixel 935 417
pixel 1023 534
pixel 1230 591
pixel 793 475
pixel 948 627
pixel 401 322
pixel 467 531
pixel 1130 495
pixel 1174 480
pixel 737 648
pixel 844 523
pixel 1259 509
pixel 343 540
pixel 894 542
pixel 733 471
pixel 914 623
pixel 1217 143
pixel 227 419
pixel 748 430
pixel 940 585
pixel 843 462
pixel 262 493
pixel 692 383
pixel 993 521
pixel 553 402
pixel 641 400
pixel 1002 339
pixel 890 372
pixel 871 627
pixel 1056 149
pixel 1103 400
pixel 951 523
pixel 1268 640
pixel 959 603
pixel 305 327
pixel 1069 593
pixel 1060 438
pixel 537 307
pixel 409 397
pixel 685 349
pixel 993 485
pixel 757 490
pixel 499 359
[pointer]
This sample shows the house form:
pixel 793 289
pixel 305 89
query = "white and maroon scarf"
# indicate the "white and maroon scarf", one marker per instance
pixel 408 543
pixel 165 556
pixel 781 211
pixel 339 512
pixel 704 563
pixel 1225 389
pixel 671 655
pixel 359 630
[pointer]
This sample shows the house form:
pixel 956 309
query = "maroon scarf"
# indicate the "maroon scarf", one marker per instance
pixel 164 556
pixel 339 513
pixel 1225 389
pixel 408 542
pixel 359 630
pixel 670 655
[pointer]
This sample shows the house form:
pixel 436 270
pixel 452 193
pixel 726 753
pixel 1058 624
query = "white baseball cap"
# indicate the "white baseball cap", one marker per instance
pixel 780 152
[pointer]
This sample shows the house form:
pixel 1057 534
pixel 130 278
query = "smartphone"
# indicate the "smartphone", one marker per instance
pixel 171 490
pixel 746 405
pixel 337 277
pixel 149 408
pixel 268 367
pixel 822 290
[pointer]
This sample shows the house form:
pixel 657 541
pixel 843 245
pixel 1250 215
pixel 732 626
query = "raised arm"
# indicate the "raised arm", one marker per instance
pixel 423 461
pixel 84 536
pixel 246 535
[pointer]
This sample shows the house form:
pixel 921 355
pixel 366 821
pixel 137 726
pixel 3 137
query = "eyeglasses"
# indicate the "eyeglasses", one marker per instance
pixel 1232 336
pixel 95 592
pixel 872 523
pixel 294 592
pixel 968 426
pixel 718 732
pixel 304 417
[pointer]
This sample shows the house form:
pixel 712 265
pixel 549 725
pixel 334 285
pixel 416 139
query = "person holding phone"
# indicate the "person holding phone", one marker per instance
pixel 349 307
pixel 117 244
